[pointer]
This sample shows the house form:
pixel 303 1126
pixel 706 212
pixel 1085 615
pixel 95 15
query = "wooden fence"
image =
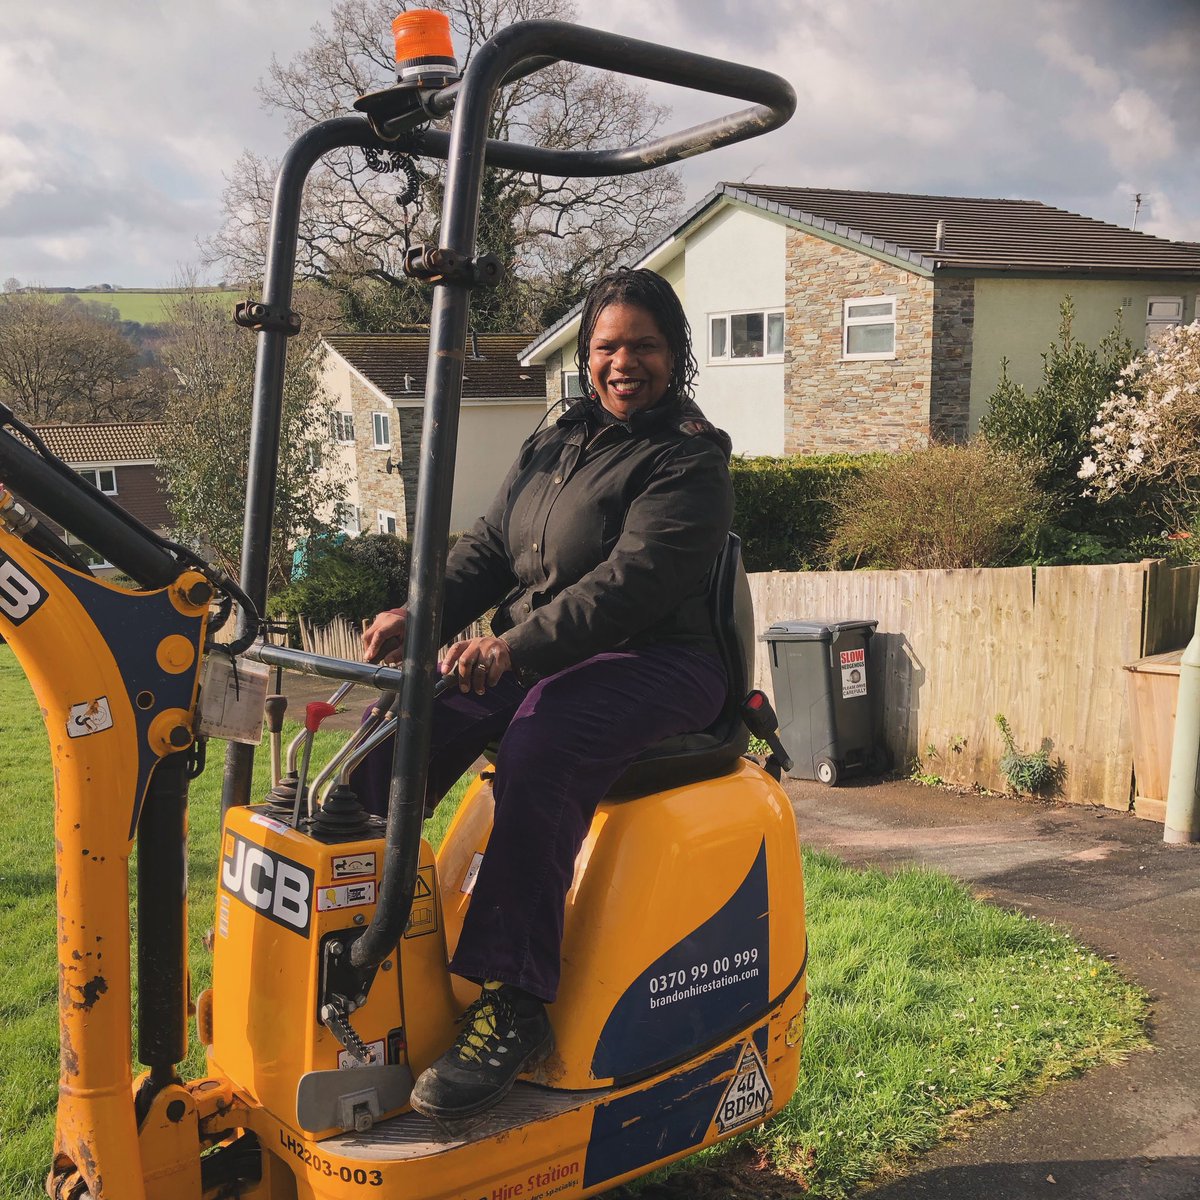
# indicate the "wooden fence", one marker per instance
pixel 342 638
pixel 1046 648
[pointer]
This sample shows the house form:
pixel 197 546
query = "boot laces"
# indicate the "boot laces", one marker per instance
pixel 487 1024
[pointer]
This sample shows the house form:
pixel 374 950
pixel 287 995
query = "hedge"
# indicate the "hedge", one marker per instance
pixel 782 509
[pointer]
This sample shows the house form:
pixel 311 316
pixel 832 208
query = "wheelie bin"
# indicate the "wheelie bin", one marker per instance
pixel 823 687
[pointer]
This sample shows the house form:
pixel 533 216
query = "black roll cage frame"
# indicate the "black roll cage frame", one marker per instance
pixel 401 121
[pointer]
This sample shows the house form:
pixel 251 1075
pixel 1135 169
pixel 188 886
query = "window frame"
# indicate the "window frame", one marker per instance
pixel 341 427
pixel 386 419
pixel 382 518
pixel 567 395
pixel 86 552
pixel 92 476
pixel 349 518
pixel 727 359
pixel 849 322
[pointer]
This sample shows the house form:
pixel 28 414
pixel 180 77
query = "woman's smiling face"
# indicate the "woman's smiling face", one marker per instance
pixel 628 359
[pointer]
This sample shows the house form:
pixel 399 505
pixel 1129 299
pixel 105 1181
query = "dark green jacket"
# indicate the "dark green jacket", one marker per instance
pixel 600 537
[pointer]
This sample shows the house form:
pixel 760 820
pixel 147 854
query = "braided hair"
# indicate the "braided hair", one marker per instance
pixel 648 290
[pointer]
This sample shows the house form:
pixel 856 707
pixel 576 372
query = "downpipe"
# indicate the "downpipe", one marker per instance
pixel 1182 823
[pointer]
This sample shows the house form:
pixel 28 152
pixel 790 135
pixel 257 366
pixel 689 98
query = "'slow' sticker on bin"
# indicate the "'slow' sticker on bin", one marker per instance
pixel 854 673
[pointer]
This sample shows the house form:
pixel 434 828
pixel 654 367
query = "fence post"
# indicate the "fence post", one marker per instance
pixel 1182 821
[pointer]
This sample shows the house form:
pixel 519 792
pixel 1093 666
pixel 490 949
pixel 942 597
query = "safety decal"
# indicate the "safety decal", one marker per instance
pixel 854 673
pixel 93 716
pixel 468 883
pixel 275 887
pixel 748 1096
pixel 346 895
pixel 348 866
pixel 347 1061
pixel 20 597
pixel 422 918
pixel 270 823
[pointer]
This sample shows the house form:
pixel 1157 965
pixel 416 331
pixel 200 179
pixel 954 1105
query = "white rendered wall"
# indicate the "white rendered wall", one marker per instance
pixel 737 261
pixel 335 377
pixel 489 436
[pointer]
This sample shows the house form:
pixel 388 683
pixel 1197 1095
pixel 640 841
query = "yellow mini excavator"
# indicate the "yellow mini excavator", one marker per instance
pixel 681 1011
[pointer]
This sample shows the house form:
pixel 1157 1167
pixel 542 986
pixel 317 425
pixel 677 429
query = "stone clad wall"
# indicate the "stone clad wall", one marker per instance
pixel 953 331
pixel 376 488
pixel 857 406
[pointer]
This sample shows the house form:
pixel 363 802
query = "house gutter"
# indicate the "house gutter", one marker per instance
pixel 1182 822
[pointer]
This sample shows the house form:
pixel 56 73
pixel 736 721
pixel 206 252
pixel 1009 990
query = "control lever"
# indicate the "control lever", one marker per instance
pixel 314 714
pixel 276 707
pixel 759 717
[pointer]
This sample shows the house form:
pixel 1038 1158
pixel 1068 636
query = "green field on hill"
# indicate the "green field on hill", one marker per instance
pixel 149 307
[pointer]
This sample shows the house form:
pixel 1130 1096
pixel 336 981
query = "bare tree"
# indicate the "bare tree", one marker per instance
pixel 64 361
pixel 553 234
pixel 203 449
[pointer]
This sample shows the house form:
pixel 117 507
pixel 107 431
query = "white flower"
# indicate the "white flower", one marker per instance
pixel 1087 468
pixel 1134 457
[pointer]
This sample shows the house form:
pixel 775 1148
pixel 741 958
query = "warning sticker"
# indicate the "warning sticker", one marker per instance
pixel 468 883
pixel 347 1061
pixel 423 917
pixel 854 673
pixel 348 895
pixel 748 1096
pixel 89 718
pixel 347 866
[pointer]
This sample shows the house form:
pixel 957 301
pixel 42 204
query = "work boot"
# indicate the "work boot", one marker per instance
pixel 504 1032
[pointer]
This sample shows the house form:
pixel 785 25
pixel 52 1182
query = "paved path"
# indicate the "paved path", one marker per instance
pixel 1128 1132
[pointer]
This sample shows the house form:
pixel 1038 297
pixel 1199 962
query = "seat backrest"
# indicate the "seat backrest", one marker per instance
pixel 715 750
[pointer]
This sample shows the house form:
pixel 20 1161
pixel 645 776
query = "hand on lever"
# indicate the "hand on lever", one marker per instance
pixel 383 639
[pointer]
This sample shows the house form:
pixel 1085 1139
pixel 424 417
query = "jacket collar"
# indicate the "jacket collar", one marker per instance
pixel 641 423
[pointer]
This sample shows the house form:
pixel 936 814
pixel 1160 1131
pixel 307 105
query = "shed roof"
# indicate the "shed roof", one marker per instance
pixel 395 363
pixel 113 442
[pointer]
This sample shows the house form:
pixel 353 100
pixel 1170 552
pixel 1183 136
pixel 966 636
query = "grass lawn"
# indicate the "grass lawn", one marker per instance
pixel 147 308
pixel 928 1006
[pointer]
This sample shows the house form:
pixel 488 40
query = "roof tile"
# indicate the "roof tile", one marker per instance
pixel 396 362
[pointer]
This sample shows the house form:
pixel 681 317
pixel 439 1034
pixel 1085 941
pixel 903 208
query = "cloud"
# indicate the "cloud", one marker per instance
pixel 118 121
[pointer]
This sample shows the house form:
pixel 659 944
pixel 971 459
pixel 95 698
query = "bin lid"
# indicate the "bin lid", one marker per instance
pixel 812 631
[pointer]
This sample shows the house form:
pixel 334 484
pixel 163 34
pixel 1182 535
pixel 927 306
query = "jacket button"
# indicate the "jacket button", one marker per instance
pixel 535 547
pixel 558 479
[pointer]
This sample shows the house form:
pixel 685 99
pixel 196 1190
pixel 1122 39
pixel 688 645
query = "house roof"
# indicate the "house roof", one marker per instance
pixel 395 364
pixel 981 235
pixel 116 442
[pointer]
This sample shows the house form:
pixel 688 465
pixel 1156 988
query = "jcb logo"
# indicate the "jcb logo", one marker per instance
pixel 20 597
pixel 272 885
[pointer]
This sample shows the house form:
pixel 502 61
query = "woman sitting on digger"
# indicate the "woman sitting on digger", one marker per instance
pixel 597 550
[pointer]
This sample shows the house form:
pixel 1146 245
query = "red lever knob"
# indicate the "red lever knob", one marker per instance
pixel 315 713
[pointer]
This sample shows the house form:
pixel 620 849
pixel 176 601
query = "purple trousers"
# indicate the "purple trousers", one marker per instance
pixel 564 742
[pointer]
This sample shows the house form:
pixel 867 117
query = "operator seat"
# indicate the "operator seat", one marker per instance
pixel 714 751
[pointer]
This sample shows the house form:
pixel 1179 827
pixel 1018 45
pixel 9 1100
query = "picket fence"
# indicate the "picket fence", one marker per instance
pixel 343 639
pixel 1045 647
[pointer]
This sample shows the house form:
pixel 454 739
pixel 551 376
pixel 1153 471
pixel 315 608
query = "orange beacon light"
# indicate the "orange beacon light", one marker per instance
pixel 424 51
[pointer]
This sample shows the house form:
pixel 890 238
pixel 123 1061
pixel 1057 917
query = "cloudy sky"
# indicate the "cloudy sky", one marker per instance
pixel 119 117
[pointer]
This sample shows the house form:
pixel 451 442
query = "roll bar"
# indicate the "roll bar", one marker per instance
pixel 511 53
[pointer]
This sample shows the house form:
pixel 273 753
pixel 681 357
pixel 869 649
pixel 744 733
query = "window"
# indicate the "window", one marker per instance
pixel 381 425
pixel 341 426
pixel 103 479
pixel 572 388
pixel 745 335
pixel 1162 313
pixel 348 518
pixel 93 558
pixel 386 521
pixel 869 327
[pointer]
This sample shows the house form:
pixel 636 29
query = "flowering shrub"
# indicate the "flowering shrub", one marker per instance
pixel 1148 430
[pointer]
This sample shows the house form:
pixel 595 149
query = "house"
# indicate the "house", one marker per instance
pixel 831 320
pixel 377 383
pixel 115 458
